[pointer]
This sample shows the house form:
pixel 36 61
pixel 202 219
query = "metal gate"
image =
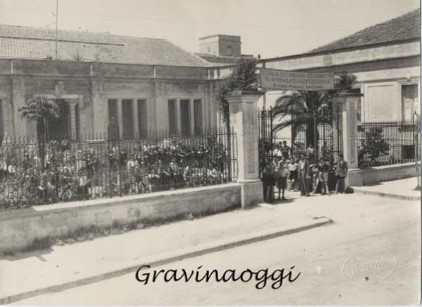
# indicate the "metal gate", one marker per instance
pixel 315 134
pixel 265 142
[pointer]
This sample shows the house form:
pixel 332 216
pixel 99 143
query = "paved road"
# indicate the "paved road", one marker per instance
pixel 371 255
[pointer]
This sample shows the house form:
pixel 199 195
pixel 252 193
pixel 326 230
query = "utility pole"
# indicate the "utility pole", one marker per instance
pixel 57 24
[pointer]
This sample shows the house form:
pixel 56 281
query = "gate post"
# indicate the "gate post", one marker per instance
pixel 243 106
pixel 348 102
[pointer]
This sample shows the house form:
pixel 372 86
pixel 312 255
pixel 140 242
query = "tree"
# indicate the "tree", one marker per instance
pixel 242 78
pixel 309 108
pixel 40 109
pixel 373 146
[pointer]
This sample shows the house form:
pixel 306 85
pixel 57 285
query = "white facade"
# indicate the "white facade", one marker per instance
pixel 388 76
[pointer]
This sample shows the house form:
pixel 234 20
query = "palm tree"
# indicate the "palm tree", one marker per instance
pixel 40 109
pixel 309 108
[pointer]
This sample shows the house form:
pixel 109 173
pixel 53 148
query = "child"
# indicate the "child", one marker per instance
pixel 282 173
pixel 174 174
pixel 292 167
pixel 341 174
pixel 153 180
pixel 315 173
pixel 325 167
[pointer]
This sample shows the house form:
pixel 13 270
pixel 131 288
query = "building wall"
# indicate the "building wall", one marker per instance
pixel 381 71
pixel 209 46
pixel 230 46
pixel 87 87
pixel 222 45
pixel 357 55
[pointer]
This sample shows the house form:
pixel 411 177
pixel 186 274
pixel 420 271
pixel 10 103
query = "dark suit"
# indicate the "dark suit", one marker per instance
pixel 303 177
pixel 268 179
pixel 341 173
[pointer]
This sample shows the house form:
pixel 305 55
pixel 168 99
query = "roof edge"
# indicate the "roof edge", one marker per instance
pixel 220 36
pixel 101 62
pixel 310 54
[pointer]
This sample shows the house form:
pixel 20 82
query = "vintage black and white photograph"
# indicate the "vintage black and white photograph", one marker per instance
pixel 210 152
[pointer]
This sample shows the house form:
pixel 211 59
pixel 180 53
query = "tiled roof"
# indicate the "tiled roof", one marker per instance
pixel 217 60
pixel 405 27
pixel 39 43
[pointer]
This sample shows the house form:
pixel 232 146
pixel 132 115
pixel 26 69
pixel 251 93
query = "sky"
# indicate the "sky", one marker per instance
pixel 270 28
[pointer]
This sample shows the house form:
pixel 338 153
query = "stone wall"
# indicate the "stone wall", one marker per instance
pixel 375 175
pixel 90 85
pixel 19 228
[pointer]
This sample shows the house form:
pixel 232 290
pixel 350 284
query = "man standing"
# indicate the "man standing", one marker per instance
pixel 277 150
pixel 304 175
pixel 341 174
pixel 310 151
pixel 268 178
pixel 285 150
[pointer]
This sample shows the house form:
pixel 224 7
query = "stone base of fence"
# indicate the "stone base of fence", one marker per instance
pixel 20 228
pixel 251 193
pixel 375 175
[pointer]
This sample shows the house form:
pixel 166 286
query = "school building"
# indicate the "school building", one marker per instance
pixel 385 58
pixel 144 84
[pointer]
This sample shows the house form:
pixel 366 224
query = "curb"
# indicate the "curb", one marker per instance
pixel 389 195
pixel 177 256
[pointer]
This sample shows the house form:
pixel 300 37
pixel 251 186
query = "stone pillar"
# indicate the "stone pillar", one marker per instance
pixel 18 100
pixel 100 106
pixel 178 118
pixel 135 118
pixel 159 118
pixel 243 117
pixel 212 111
pixel 86 123
pixel 192 116
pixel 120 117
pixel 348 107
pixel 72 106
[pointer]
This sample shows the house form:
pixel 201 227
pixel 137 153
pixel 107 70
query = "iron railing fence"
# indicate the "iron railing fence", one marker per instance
pixel 95 166
pixel 387 143
pixel 265 137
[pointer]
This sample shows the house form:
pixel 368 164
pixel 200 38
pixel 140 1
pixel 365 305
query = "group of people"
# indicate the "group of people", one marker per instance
pixel 306 174
pixel 76 172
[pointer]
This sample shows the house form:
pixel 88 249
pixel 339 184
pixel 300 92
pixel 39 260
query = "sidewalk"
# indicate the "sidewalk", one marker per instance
pixel 399 189
pixel 62 267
